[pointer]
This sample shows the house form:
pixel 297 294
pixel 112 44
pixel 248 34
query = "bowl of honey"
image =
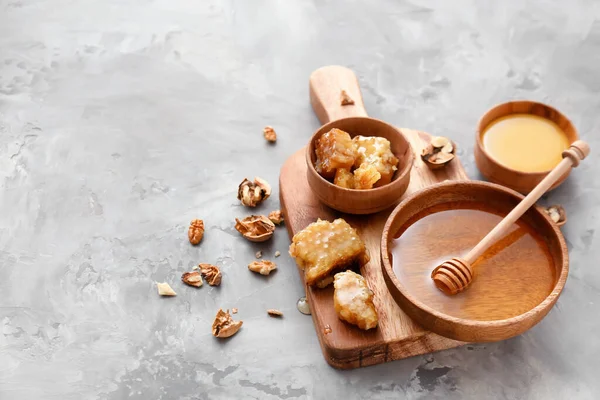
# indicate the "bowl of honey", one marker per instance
pixel 517 280
pixel 519 142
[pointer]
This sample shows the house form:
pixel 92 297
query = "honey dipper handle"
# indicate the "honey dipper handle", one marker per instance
pixel 571 158
pixel 326 85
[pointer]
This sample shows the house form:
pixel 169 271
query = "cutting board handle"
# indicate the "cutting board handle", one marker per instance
pixel 326 85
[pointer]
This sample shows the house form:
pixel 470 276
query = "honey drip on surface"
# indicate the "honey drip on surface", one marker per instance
pixel 525 142
pixel 521 259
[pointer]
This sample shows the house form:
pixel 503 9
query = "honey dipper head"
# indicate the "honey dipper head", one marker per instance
pixel 452 276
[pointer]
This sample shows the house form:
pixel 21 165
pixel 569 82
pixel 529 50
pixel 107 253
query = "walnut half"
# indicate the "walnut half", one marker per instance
pixel 255 228
pixel 196 231
pixel 224 326
pixel 253 193
pixel 211 273
pixel 269 134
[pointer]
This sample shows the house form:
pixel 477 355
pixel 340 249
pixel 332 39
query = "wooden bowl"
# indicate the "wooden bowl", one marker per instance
pixel 503 301
pixel 522 182
pixel 326 85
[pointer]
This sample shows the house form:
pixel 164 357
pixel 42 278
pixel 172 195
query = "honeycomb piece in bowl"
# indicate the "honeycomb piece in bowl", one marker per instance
pixel 353 300
pixel 376 151
pixel 366 176
pixel 323 248
pixel 344 178
pixel 334 149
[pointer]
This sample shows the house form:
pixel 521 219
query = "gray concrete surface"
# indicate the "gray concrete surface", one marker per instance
pixel 122 120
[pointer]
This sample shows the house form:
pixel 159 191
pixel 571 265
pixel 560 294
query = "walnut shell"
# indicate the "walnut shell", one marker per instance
pixel 276 217
pixel 211 273
pixel 224 326
pixel 255 228
pixel 192 278
pixel 252 194
pixel 557 214
pixel 439 152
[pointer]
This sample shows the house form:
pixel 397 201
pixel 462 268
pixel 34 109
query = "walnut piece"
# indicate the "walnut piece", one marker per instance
pixel 224 326
pixel 263 267
pixel 252 194
pixel 327 329
pixel 270 134
pixel 211 273
pixel 345 99
pixel 258 254
pixel 276 217
pixel 274 313
pixel 192 278
pixel 277 253
pixel 196 231
pixel 164 289
pixel 255 228
pixel 234 310
pixel 438 153
pixel 557 214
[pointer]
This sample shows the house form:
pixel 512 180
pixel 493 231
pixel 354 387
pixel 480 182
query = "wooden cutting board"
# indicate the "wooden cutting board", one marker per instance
pixel 397 336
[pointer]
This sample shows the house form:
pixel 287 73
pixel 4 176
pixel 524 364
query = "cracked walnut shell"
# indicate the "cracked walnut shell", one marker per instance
pixel 263 267
pixel 269 134
pixel 255 228
pixel 276 217
pixel 252 194
pixel 192 278
pixel 211 273
pixel 196 231
pixel 224 326
pixel 438 153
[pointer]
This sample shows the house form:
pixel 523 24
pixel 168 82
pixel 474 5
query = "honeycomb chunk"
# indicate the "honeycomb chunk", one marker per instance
pixel 334 149
pixel 376 151
pixel 323 248
pixel 353 300
pixel 344 178
pixel 366 176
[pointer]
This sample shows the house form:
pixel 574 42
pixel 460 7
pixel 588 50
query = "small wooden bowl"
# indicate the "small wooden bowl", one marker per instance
pixel 522 182
pixel 479 313
pixel 353 201
pixel 326 85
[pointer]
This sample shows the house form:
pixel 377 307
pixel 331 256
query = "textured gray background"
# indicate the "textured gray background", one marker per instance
pixel 120 121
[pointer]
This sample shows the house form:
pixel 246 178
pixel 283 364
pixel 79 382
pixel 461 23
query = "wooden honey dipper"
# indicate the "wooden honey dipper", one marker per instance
pixel 454 275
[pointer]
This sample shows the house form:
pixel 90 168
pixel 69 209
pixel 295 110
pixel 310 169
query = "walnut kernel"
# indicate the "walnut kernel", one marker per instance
pixel 258 254
pixel 211 273
pixel 274 313
pixel 224 326
pixel 256 228
pixel 164 289
pixel 276 217
pixel 234 310
pixel 192 278
pixel 196 231
pixel 269 134
pixel 263 267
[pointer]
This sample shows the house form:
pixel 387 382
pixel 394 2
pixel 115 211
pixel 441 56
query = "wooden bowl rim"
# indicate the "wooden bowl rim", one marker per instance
pixel 477 324
pixel 539 175
pixel 400 175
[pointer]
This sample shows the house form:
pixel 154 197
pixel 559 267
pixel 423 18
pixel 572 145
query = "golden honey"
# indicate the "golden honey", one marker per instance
pixel 521 259
pixel 525 142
